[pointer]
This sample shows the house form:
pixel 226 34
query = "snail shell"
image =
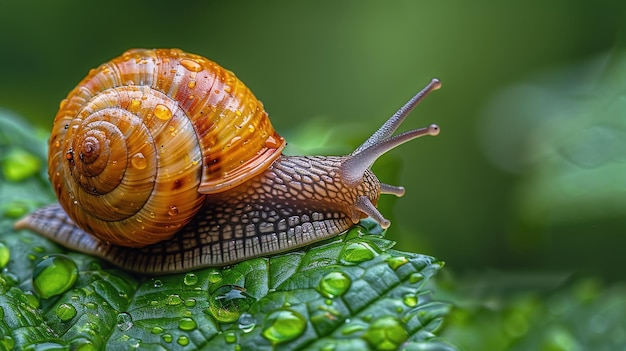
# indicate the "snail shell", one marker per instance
pixel 138 144
pixel 163 161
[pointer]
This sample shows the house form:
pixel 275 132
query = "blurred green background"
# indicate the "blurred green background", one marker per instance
pixel 528 175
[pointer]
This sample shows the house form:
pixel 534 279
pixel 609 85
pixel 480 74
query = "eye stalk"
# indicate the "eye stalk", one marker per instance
pixel 353 169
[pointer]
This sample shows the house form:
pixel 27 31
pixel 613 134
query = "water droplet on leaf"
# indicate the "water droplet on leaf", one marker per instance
pixel 215 277
pixel 183 340
pixel 410 299
pixel 230 337
pixel 397 262
pixel 190 279
pixel 173 300
pixel 228 302
pixel 386 333
pixel 284 325
pixel 334 284
pixel 356 253
pixel 415 277
pixel 5 255
pixel 124 321
pixel 65 312
pixel 187 324
pixel 54 275
pixel 246 322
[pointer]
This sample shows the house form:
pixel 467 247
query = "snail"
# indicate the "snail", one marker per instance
pixel 163 161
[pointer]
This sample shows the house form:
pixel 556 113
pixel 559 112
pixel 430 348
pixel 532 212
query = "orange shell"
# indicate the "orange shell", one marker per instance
pixel 137 144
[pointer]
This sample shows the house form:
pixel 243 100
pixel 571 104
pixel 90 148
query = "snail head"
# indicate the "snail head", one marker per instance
pixel 354 169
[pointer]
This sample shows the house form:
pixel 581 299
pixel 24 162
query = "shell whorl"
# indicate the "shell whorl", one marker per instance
pixel 138 144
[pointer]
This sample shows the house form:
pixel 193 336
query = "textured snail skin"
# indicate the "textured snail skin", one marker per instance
pixel 164 162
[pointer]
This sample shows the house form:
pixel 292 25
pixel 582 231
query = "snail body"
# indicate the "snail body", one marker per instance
pixel 163 161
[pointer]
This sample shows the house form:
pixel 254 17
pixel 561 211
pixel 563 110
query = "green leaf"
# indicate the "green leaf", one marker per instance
pixel 351 292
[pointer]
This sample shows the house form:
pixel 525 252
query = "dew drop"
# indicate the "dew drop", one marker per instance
pixel 183 340
pixel 84 345
pixel 251 128
pixel 31 299
pixel 386 333
pixel 272 143
pixel 191 65
pixel 230 337
pixel 173 300
pixel 228 302
pixel 334 284
pixel 91 305
pixel 135 104
pixel 157 330
pixel 415 278
pixel 284 325
pixel 214 277
pixel 157 283
pixel 356 253
pixel 196 159
pixel 167 337
pixel 190 279
pixel 139 161
pixel 124 321
pixel 162 112
pixel 65 312
pixel 246 322
pixel 134 343
pixel 397 262
pixel 234 140
pixel 410 299
pixel 187 324
pixel 5 255
pixel 173 211
pixel 54 275
pixel 191 84
pixel 190 302
pixel 352 328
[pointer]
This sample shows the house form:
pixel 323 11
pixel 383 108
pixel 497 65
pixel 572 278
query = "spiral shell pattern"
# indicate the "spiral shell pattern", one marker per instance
pixel 138 144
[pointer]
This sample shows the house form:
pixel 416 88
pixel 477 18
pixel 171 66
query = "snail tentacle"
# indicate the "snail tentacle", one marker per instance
pixel 354 167
pixel 392 124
